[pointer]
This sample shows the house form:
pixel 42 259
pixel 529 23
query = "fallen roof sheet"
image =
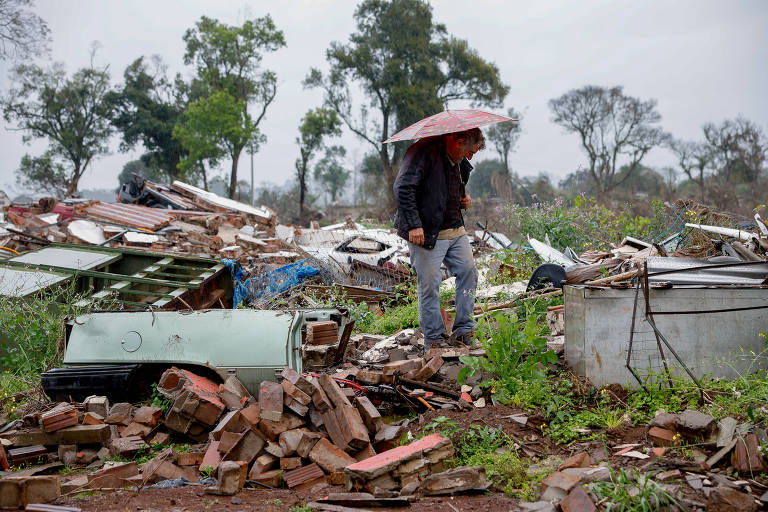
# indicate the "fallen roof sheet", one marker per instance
pixel 738 274
pixel 132 215
pixel 217 202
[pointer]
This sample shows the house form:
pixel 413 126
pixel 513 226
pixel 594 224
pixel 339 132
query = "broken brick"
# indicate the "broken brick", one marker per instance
pixel 333 391
pixel 91 418
pixel 297 380
pixel 289 441
pixel 578 501
pixel 272 429
pixel 295 393
pixel 247 447
pixel 97 405
pixel 427 371
pixel 661 436
pixel 401 367
pixel 270 401
pixel 262 464
pixel 228 479
pixel 233 393
pixel 212 457
pixel 136 429
pixel 371 416
pixel 745 457
pixel 454 481
pixel 387 461
pixel 580 460
pixel 250 414
pixel 307 442
pixel 301 475
pixel 270 478
pixel 149 416
pixel 329 457
pixel 119 414
pixel 18 491
pixel 289 463
pixel 61 416
pixel 126 447
pixel 227 440
pixel 114 476
pixel 369 377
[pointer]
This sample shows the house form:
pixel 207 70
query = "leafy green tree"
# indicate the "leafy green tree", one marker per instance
pixel 147 107
pixel 504 136
pixel 615 130
pixel 409 67
pixel 330 172
pixel 228 60
pixel 43 173
pixel 480 185
pixel 23 34
pixel 315 126
pixel 212 128
pixel 70 112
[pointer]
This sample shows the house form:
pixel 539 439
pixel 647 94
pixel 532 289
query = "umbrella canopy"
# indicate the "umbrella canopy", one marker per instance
pixel 448 121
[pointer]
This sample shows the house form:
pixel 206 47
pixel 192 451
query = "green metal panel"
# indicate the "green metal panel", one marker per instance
pixel 251 344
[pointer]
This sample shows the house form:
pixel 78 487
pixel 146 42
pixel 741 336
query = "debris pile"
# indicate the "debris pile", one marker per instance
pixel 303 431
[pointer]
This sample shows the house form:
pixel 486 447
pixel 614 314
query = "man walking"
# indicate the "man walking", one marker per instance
pixel 430 194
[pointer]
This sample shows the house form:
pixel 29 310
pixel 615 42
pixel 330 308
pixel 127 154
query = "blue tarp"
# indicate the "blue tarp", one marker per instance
pixel 270 283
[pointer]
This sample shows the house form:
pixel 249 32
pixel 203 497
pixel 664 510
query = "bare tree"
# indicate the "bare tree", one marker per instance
pixel 23 34
pixel 739 149
pixel 616 130
pixel 694 159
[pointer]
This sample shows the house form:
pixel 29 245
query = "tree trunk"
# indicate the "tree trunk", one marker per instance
pixel 205 177
pixel 302 193
pixel 233 175
pixel 72 185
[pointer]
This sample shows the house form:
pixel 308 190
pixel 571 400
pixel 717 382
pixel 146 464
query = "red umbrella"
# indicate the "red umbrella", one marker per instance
pixel 448 121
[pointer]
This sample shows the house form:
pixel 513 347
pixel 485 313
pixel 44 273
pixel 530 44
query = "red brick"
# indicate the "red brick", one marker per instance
pixel 270 401
pixel 189 458
pixel 333 391
pixel 136 429
pixel 661 436
pixel 301 475
pixel 370 377
pixel 403 367
pixel 262 464
pixel 297 380
pixel 427 371
pixel 307 442
pixel 228 440
pixel 745 457
pixel 250 414
pixel 560 480
pixel 371 416
pixel 289 463
pixel 59 417
pixel 580 460
pixel 233 421
pixel 295 393
pixel 270 478
pixel 126 447
pixel 233 393
pixel 248 447
pixel 319 399
pixel 212 456
pixel 114 476
pixel 578 501
pixel 148 415
pixel 272 429
pixel 385 462
pixel 329 457
pixel 91 418
pixel 289 441
pixel 356 435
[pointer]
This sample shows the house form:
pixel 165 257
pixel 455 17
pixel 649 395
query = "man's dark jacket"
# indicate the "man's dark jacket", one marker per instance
pixel 421 188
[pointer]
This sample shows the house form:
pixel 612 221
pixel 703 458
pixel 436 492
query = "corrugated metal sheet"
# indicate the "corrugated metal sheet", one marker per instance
pixel 132 215
pixel 737 274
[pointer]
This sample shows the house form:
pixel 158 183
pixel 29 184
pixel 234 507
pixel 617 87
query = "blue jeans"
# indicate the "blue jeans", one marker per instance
pixel 457 255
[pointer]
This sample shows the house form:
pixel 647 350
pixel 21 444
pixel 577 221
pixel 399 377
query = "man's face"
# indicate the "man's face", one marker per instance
pixel 469 151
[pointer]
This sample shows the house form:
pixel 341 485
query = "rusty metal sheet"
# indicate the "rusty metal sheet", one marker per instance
pixel 132 215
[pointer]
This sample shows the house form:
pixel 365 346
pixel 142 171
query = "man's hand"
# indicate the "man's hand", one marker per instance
pixel 466 202
pixel 416 236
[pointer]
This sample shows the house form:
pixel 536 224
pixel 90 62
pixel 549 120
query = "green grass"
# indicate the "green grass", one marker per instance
pixel 632 493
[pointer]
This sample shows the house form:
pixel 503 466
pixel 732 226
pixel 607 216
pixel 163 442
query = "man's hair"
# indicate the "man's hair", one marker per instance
pixel 471 137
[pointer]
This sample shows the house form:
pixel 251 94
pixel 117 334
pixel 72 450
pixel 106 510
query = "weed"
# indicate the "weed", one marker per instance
pixel 300 508
pixel 506 471
pixel 157 399
pixel 637 493
pixel 479 439
pixel 445 426
pixel 516 351
pixel 207 471
pixel 275 502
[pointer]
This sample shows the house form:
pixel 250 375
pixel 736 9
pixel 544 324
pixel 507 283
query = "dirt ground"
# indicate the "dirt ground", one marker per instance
pixel 266 500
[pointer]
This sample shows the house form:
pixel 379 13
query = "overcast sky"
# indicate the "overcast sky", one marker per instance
pixel 703 60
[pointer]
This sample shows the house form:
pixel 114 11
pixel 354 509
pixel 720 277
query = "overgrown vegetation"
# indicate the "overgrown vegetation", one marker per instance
pixel 626 492
pixel 31 336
